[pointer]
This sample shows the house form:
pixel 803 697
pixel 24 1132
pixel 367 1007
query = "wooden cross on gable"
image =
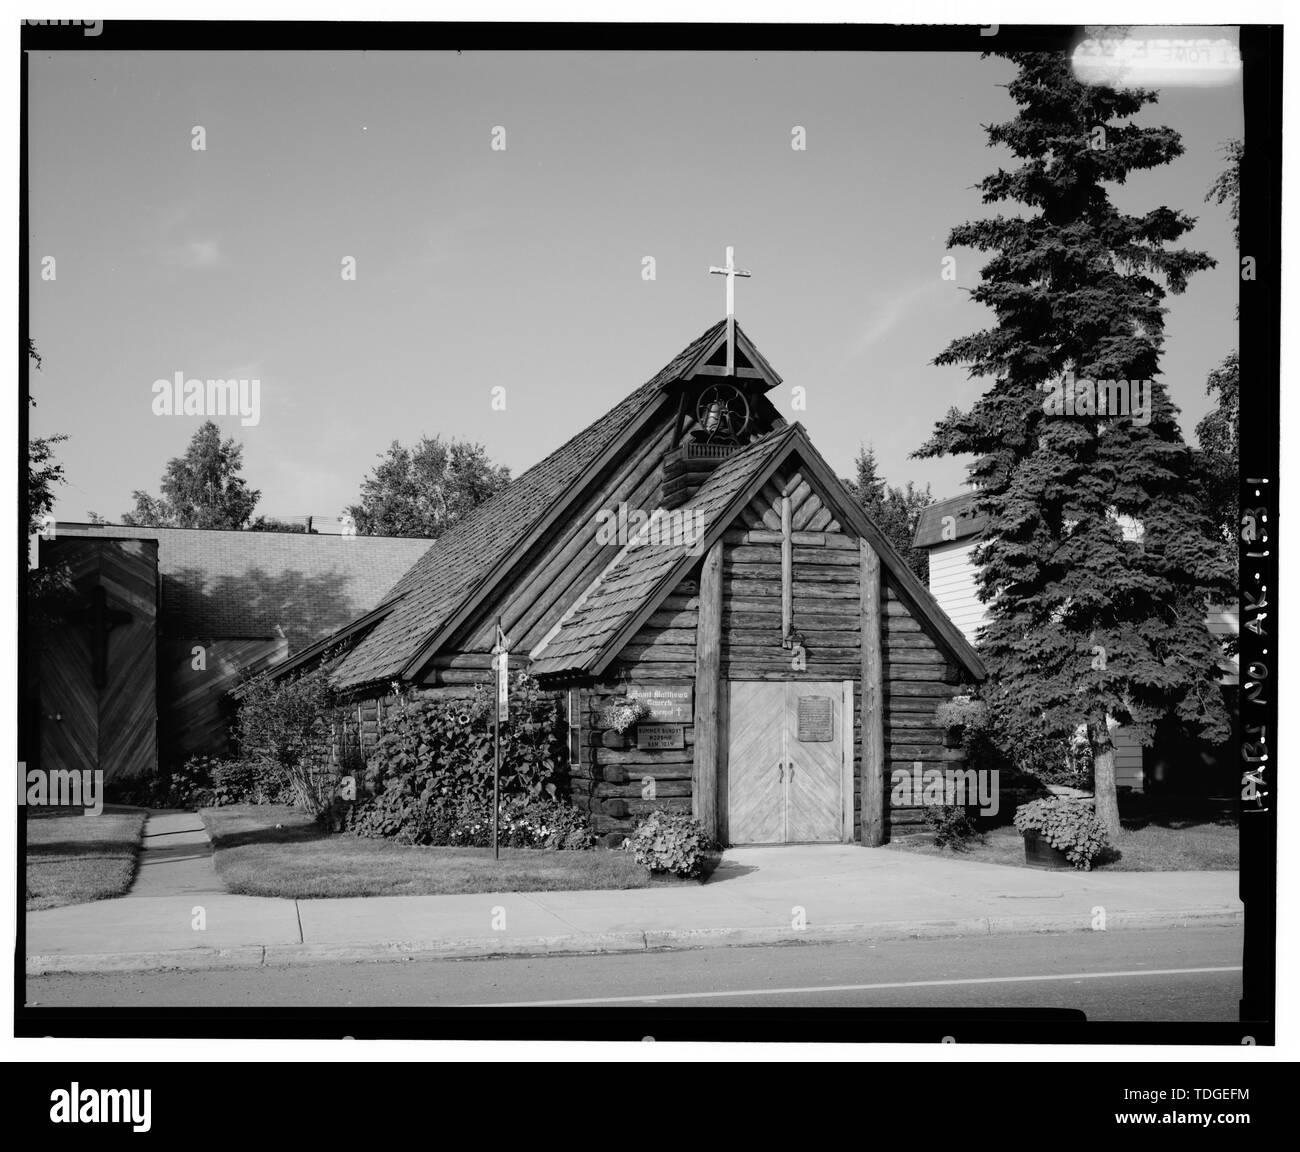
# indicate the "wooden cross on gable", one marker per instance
pixel 101 620
pixel 790 638
pixel 730 272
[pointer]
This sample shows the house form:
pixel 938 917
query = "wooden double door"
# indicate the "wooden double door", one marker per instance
pixel 788 766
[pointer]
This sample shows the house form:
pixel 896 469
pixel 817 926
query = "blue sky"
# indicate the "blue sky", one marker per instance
pixel 522 268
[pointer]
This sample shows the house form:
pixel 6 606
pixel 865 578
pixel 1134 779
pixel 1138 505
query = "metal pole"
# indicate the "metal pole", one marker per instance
pixel 496 783
pixel 496 755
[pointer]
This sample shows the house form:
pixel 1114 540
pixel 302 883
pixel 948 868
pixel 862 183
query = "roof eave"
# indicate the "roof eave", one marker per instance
pixel 415 665
pixel 347 632
pixel 766 373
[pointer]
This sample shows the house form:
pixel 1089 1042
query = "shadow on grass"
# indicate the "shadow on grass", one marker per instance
pixel 81 858
pixel 1108 855
pixel 304 832
pixel 1177 813
pixel 71 849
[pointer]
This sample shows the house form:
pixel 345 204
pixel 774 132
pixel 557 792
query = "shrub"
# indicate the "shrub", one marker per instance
pixel 203 782
pixel 436 748
pixel 1078 759
pixel 963 712
pixel 248 782
pixel 523 822
pixel 187 785
pixel 984 744
pixel 390 816
pixel 1070 826
pixel 672 842
pixel 1051 759
pixel 951 825
pixel 560 826
pixel 995 737
pixel 284 724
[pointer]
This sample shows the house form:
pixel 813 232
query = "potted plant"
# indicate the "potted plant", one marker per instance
pixel 1060 833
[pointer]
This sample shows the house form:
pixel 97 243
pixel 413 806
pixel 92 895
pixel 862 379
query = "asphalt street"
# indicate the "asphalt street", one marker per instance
pixel 1186 974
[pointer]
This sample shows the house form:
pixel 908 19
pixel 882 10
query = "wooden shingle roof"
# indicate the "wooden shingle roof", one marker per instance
pixel 462 563
pixel 968 520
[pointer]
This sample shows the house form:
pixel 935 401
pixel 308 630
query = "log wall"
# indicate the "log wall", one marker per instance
pixel 918 677
pixel 610 780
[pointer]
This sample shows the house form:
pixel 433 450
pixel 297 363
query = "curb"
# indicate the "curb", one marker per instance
pixel 289 955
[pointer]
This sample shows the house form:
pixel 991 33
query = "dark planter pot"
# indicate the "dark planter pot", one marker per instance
pixel 1040 854
pixel 611 739
pixel 952 737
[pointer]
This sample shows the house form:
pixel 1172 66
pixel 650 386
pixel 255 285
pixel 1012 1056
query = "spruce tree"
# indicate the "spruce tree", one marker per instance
pixel 1219 431
pixel 1086 622
pixel 895 511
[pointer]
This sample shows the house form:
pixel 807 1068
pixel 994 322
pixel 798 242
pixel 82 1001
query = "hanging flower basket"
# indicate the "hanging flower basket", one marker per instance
pixel 620 715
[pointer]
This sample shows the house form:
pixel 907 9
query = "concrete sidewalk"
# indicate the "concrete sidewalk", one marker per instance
pixel 797 894
pixel 175 857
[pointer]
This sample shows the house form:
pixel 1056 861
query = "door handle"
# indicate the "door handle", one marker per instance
pixel 780 770
pixel 791 769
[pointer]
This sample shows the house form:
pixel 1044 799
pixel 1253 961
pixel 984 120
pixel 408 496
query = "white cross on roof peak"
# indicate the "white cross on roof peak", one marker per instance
pixel 730 271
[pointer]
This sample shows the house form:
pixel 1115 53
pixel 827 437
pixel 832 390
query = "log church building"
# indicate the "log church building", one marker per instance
pixel 786 658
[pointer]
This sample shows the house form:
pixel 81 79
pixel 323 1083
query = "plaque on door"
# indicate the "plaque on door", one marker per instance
pixel 815 724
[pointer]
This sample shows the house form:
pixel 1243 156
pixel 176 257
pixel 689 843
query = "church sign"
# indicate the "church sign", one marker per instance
pixel 656 736
pixel 666 703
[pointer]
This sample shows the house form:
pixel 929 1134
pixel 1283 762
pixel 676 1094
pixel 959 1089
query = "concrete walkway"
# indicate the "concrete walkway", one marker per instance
pixel 798 894
pixel 175 857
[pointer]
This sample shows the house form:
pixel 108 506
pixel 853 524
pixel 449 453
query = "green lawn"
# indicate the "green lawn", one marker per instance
pixel 1181 838
pixel 301 860
pixel 75 859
